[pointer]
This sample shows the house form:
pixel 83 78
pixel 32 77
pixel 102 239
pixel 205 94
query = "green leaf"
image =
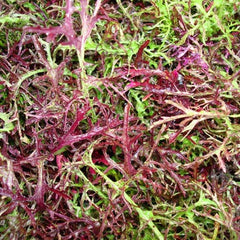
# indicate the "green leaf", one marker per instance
pixel 90 45
pixel 29 5
pixel 63 149
pixel 204 201
pixel 15 18
pixel 8 125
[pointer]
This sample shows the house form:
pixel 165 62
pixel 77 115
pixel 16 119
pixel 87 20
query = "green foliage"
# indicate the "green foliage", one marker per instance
pixel 144 111
pixel 7 124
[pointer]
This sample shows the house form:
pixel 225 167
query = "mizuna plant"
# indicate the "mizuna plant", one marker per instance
pixel 119 119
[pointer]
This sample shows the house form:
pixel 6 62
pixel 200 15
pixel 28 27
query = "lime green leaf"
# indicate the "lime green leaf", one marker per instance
pixel 204 201
pixel 15 18
pixel 8 125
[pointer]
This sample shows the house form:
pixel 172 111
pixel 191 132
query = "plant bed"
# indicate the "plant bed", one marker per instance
pixel 119 119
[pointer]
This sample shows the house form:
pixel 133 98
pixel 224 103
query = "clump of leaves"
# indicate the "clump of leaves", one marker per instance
pixel 113 129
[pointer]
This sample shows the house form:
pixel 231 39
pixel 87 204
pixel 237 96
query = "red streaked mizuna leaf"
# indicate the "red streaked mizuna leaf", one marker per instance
pixel 138 72
pixel 173 136
pixel 126 142
pixel 138 59
pixel 59 193
pixel 66 28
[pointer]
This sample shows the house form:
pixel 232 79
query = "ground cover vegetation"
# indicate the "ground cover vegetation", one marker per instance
pixel 119 119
